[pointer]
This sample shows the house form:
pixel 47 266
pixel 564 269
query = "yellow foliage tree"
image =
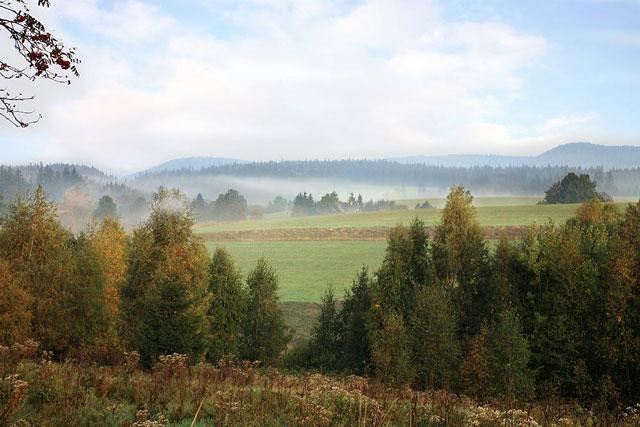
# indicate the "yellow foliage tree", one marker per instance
pixel 110 241
pixel 15 317
pixel 34 244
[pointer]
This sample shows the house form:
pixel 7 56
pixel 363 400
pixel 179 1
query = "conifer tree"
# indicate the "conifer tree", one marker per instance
pixel 326 336
pixel 165 290
pixel 227 311
pixel 421 266
pixel 265 334
pixel 353 316
pixel 106 208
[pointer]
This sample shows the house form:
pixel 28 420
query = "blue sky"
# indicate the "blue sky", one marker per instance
pixel 285 79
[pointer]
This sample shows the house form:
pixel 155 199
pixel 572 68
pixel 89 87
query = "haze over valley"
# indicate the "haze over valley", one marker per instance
pixel 319 213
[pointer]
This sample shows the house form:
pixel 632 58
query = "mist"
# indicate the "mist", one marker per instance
pixel 259 190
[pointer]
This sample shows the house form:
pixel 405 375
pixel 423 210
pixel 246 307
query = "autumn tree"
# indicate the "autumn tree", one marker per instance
pixel 460 256
pixel 34 245
pixel 76 209
pixel 62 273
pixel 227 311
pixel 37 55
pixel 15 316
pixel 164 297
pixel 265 334
pixel 110 240
pixel 475 371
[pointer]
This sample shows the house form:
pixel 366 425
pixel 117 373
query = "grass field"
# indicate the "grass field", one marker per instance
pixel 305 269
pixel 505 215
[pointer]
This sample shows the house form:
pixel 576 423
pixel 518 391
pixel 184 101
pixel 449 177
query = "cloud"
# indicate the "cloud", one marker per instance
pixel 295 79
pixel 564 123
pixel 127 21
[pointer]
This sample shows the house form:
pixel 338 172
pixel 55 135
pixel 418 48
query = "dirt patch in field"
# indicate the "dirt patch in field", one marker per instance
pixel 340 234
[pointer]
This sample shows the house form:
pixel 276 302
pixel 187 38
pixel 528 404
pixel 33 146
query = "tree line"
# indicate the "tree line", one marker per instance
pixel 556 314
pixel 553 315
pixel 228 206
pixel 525 180
pixel 305 205
pixel 155 290
pixel 76 189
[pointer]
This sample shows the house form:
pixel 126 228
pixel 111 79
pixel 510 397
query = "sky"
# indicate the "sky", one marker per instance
pixel 330 79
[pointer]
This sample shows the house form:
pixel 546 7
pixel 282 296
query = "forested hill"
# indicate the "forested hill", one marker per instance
pixel 498 180
pixel 577 154
pixel 193 163
pixel 75 188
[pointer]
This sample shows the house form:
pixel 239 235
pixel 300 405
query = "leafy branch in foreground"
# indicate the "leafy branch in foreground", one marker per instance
pixel 39 55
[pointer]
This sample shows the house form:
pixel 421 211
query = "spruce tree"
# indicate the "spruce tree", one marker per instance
pixel 265 334
pixel 395 287
pixel 106 208
pixel 326 337
pixel 227 311
pixel 353 316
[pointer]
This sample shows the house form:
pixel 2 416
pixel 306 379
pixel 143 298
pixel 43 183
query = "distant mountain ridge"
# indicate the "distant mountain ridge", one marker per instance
pixel 192 163
pixel 575 154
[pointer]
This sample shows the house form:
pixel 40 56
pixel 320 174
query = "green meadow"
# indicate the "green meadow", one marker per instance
pixel 306 268
pixel 507 214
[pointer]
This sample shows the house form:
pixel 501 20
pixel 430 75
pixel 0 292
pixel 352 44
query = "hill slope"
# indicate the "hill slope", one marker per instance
pixel 574 154
pixel 193 163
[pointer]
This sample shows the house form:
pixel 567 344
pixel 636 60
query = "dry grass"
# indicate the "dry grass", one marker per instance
pixel 36 391
pixel 376 234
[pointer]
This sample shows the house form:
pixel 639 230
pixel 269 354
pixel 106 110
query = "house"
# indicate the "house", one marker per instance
pixel 344 207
